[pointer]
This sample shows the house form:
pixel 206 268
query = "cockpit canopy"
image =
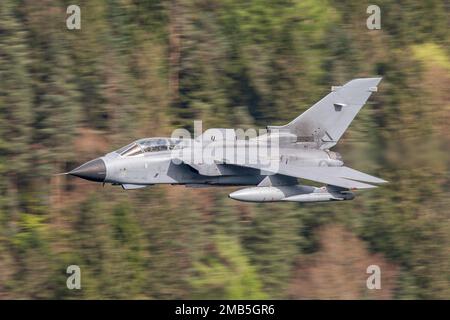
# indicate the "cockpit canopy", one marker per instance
pixel 149 145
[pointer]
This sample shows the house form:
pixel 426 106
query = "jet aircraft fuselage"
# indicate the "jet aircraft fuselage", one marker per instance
pixel 272 162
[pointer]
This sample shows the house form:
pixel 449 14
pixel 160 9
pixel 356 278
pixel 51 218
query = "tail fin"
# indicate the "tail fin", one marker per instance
pixel 326 121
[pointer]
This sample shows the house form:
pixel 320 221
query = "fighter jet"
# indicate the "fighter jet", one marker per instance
pixel 299 150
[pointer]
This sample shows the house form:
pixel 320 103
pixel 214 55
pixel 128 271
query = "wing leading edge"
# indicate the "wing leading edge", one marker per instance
pixel 343 177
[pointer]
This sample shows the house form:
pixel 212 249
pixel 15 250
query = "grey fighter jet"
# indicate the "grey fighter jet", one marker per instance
pixel 220 157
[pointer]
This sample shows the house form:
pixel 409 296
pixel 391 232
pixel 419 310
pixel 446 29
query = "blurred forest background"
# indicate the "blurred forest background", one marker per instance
pixel 140 68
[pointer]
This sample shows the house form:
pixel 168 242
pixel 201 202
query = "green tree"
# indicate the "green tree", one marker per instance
pixel 225 273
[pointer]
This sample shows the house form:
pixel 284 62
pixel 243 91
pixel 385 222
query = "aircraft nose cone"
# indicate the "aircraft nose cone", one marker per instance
pixel 94 170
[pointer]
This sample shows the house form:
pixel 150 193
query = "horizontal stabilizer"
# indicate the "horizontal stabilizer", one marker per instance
pixel 349 173
pixel 343 177
pixel 325 175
